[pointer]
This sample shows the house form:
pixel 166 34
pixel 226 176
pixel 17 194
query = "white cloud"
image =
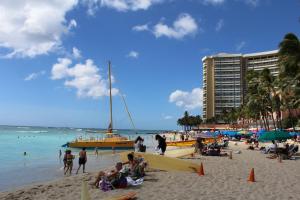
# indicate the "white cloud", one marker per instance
pixel 34 75
pixel 76 53
pixel 84 77
pixel 133 54
pixel 119 5
pixel 253 3
pixel 167 117
pixel 213 2
pixel 240 45
pixel 187 100
pixel 184 25
pixel 141 27
pixel 220 25
pixel 29 27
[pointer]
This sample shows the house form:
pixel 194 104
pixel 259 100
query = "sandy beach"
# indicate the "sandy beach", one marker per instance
pixel 224 179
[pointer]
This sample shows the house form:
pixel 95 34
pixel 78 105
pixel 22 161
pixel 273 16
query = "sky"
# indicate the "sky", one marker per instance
pixel 54 56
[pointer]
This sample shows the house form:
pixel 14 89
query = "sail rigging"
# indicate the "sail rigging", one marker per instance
pixel 110 128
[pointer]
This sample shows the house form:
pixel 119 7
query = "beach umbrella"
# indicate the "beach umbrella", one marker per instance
pixel 261 132
pixel 294 133
pixel 244 132
pixel 274 135
pixel 205 135
pixel 232 133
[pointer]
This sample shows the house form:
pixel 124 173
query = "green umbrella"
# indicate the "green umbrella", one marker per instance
pixel 274 135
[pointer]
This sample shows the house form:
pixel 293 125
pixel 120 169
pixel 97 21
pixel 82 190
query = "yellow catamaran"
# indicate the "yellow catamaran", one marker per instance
pixel 112 140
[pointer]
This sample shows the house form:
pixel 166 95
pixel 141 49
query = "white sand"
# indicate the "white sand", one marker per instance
pixel 224 179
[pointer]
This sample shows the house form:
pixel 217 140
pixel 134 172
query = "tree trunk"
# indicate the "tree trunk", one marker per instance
pixel 290 116
pixel 274 124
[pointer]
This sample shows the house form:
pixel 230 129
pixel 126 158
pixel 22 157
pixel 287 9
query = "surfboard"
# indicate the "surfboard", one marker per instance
pixel 163 162
pixel 178 153
pixel 127 196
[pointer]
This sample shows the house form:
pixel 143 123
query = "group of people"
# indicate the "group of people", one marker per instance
pixel 119 176
pixel 285 152
pixel 213 149
pixel 68 161
pixel 161 147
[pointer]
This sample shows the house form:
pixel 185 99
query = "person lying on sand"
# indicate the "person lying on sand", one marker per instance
pixel 115 178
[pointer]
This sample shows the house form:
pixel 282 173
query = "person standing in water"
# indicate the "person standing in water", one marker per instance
pixel 96 152
pixel 162 145
pixel 82 160
pixel 69 162
pixel 60 153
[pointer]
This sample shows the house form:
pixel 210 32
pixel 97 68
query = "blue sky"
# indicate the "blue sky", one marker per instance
pixel 54 55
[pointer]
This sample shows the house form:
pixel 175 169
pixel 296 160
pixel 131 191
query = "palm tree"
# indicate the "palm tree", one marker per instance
pixel 289 76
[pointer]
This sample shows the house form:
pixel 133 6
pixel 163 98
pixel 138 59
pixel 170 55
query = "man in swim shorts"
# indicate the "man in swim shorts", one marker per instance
pixel 82 160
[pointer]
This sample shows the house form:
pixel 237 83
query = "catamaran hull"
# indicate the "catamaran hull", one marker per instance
pixel 102 145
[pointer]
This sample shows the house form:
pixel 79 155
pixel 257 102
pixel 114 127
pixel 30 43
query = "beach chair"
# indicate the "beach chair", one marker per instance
pixel 271 150
pixel 293 151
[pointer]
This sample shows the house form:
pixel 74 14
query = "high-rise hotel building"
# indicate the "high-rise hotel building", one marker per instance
pixel 224 84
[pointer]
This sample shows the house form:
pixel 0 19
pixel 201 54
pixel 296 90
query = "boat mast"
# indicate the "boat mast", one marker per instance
pixel 110 128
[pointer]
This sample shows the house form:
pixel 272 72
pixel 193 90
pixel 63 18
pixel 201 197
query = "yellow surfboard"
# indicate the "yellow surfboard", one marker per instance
pixel 127 196
pixel 178 153
pixel 163 162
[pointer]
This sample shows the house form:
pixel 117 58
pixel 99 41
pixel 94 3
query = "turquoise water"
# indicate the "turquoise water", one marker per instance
pixel 42 146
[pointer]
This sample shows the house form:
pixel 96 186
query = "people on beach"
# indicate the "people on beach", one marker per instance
pixel 65 160
pixel 182 137
pixel 162 145
pixel 60 153
pixel 24 153
pixel 82 160
pixel 136 166
pixel 199 145
pixel 140 147
pixel 114 178
pixel 271 148
pixel 96 152
pixel 69 162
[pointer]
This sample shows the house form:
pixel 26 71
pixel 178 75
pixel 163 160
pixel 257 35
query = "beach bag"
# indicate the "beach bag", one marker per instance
pixel 142 148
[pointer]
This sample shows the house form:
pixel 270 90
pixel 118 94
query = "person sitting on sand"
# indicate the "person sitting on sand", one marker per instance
pixel 69 161
pixel 82 160
pixel 115 177
pixel 136 166
pixel 199 145
pixel 271 148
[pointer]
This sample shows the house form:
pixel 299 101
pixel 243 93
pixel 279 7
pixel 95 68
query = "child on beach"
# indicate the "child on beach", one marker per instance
pixel 69 162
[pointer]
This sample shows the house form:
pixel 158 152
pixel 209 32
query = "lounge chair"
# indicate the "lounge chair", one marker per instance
pixel 293 151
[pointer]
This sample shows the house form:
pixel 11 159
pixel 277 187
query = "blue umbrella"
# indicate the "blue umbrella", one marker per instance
pixel 294 133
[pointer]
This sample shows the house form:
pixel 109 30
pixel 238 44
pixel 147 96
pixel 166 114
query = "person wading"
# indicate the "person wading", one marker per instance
pixel 82 160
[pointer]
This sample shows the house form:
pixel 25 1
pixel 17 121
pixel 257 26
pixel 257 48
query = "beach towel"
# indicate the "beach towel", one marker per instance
pixel 132 182
pixel 105 185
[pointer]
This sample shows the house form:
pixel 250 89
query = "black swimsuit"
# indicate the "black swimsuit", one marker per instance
pixel 82 161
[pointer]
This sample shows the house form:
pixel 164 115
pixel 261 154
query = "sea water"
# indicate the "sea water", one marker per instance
pixel 42 145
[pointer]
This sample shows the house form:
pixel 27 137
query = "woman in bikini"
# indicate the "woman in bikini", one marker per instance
pixel 69 161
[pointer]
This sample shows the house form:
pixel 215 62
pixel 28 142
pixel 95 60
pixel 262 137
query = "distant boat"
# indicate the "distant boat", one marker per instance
pixel 112 140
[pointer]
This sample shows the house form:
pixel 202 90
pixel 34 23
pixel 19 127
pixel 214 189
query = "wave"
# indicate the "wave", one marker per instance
pixel 32 131
pixel 23 127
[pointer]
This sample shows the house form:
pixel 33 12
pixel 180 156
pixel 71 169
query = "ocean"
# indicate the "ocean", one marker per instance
pixel 42 145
